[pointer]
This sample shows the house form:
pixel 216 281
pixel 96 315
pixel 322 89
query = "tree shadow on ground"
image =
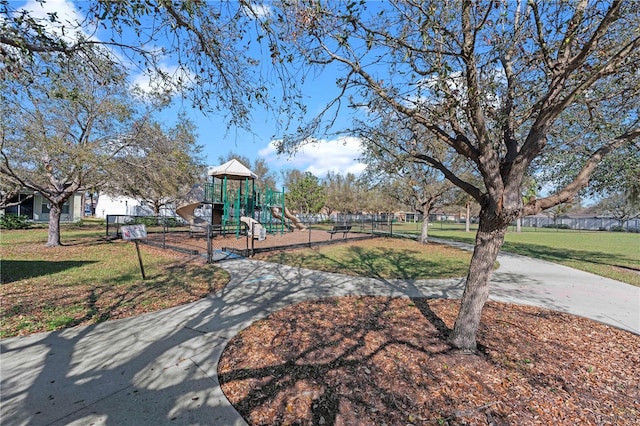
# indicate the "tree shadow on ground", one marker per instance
pixel 559 255
pixel 379 262
pixel 376 361
pixel 325 365
pixel 16 270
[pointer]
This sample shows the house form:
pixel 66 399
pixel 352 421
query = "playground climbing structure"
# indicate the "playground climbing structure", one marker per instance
pixel 237 206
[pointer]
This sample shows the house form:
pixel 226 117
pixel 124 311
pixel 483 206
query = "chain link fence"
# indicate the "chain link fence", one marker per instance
pixel 583 224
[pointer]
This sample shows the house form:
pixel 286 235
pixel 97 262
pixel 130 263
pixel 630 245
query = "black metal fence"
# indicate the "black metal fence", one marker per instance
pixel 217 242
pixel 220 242
pixel 115 222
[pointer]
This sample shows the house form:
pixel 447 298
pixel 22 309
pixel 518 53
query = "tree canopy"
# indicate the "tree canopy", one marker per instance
pixel 208 52
pixel 67 109
pixel 304 192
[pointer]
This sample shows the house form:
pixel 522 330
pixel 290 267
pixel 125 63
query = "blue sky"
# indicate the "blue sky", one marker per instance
pixel 329 154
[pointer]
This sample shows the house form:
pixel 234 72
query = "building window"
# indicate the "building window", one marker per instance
pixel 46 207
pixel 24 208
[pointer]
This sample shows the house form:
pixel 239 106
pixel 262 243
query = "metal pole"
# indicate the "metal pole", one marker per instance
pixel 246 251
pixel 282 213
pixel 164 233
pixel 140 259
pixel 209 245
pixel 253 230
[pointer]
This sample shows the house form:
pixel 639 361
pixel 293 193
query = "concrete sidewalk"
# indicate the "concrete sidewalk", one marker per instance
pixel 160 368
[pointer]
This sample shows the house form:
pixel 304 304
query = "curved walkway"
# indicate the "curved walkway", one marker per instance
pixel 160 368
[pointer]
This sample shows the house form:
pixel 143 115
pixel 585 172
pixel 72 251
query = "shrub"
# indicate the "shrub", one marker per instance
pixel 619 228
pixel 9 221
pixel 144 220
pixel 557 226
pixel 169 222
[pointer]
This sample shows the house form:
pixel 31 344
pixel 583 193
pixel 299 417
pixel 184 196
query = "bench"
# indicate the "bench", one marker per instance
pixel 339 228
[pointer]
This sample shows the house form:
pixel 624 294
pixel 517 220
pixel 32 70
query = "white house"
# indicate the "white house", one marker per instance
pixel 117 205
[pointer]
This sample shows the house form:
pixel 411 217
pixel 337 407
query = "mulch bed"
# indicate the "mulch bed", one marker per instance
pixel 384 361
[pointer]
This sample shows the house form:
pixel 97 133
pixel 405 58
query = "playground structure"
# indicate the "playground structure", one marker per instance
pixel 231 204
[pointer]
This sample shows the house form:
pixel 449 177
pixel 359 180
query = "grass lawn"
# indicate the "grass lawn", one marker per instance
pixel 90 280
pixel 386 258
pixel 613 255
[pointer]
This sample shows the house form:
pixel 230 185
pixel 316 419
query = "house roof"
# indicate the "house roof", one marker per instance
pixel 232 169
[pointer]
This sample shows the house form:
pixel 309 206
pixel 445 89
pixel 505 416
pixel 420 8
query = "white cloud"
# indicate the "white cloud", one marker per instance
pixel 259 10
pixel 68 20
pixel 175 76
pixel 320 157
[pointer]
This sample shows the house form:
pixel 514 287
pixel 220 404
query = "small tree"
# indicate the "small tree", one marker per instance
pixel 620 206
pixel 63 121
pixel 379 197
pixel 161 168
pixel 343 193
pixel 557 211
pixel 417 186
pixel 304 192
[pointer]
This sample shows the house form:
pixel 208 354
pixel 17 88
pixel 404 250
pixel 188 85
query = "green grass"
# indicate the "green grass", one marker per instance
pixel 90 280
pixel 393 258
pixel 613 255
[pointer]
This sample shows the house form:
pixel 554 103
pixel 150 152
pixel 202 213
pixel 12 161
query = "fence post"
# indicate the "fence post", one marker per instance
pixel 247 240
pixel 309 229
pixel 253 230
pixel 164 233
pixel 209 245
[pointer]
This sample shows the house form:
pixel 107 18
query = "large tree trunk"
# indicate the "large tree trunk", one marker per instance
pixel 425 229
pixel 424 233
pixel 489 240
pixel 53 239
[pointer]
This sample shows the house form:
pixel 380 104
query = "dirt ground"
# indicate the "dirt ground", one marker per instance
pixel 197 243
